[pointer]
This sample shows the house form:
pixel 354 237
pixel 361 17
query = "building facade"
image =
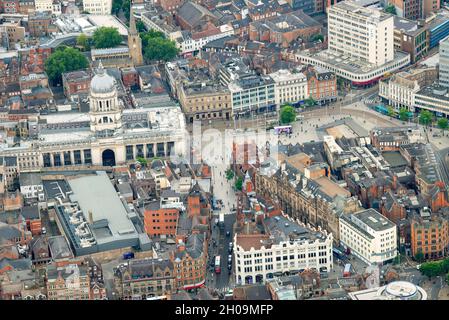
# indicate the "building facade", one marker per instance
pixel 363 33
pixel 106 135
pixel 289 87
pixel 400 89
pixel 205 101
pixel 429 235
pixel 444 63
pixel 98 7
pixel 369 235
pixel 68 283
pixel 292 247
pixel 252 94
pixel 142 279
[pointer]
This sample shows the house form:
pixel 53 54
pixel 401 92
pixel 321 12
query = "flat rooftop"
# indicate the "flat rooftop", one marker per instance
pixel 96 194
pixel 374 220
pixel 354 7
pixel 348 63
pixel 283 229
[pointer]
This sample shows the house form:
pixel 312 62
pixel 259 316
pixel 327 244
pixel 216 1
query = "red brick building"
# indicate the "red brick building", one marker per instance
pixel 321 85
pixel 76 82
pixel 160 221
pixel 429 235
pixel 284 29
pixel 9 6
pixel 130 77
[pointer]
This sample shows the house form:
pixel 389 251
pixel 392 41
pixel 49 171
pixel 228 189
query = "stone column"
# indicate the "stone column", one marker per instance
pixel 72 157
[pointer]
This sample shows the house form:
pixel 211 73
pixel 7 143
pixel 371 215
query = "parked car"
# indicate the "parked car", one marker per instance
pixel 230 258
pixel 229 266
pixel 228 234
pixel 44 230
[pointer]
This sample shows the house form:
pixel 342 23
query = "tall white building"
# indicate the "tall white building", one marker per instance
pixel 285 247
pixel 369 235
pixel 98 7
pixel 363 33
pixel 289 87
pixel 444 62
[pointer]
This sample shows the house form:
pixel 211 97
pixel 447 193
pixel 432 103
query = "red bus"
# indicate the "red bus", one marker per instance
pixel 217 265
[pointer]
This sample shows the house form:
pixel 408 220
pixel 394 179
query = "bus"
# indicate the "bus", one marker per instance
pixel 283 129
pixel 221 221
pixel 338 253
pixel 217 265
pixel 347 270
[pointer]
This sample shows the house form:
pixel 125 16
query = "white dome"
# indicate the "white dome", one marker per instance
pixel 102 82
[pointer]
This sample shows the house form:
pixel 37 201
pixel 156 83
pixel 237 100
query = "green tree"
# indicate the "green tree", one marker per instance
pixel 239 183
pixel 116 6
pixel 287 114
pixel 142 161
pixel 425 117
pixel 391 9
pixel 390 111
pixel 419 256
pixel 443 124
pixel 158 49
pixel 140 26
pixel 403 114
pixel 317 37
pixel 229 174
pixel 106 37
pixel 431 269
pixel 83 41
pixel 64 60
pixel 310 102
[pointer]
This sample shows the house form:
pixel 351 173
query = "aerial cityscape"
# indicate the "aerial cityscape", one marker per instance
pixel 224 150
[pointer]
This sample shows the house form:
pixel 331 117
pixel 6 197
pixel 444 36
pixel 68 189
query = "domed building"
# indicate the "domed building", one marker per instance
pixel 396 290
pixel 105 110
pixel 106 135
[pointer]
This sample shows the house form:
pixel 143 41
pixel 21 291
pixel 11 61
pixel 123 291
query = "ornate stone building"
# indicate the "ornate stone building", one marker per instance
pixel 105 136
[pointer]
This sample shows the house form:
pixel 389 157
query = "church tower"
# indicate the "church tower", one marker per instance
pixel 134 41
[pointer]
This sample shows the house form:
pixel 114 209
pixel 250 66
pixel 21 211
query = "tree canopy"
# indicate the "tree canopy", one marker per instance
pixel 443 123
pixel 403 114
pixel 287 114
pixel 419 256
pixel 83 41
pixel 106 37
pixel 157 48
pixel 140 26
pixel 64 60
pixel 317 37
pixel 391 9
pixel 425 117
pixel 124 5
pixel 310 102
pixel 229 174
pixel 390 111
pixel 239 183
